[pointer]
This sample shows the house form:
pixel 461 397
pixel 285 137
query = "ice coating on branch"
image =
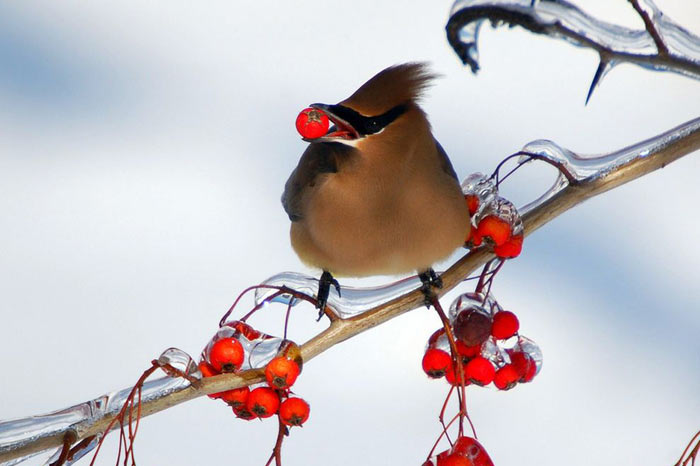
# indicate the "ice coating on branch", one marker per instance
pixel 17 433
pixel 481 186
pixel 593 167
pixel 178 359
pixel 76 457
pixel 354 301
pixel 679 52
pixel 486 304
pixel 259 347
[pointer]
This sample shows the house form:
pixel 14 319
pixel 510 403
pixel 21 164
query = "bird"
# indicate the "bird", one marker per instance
pixel 377 194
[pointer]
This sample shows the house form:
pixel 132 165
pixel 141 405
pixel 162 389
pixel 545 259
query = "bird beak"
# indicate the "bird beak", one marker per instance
pixel 341 130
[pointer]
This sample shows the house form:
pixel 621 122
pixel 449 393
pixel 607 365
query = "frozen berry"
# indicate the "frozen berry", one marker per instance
pixel 226 355
pixel 236 397
pixel 263 402
pixel 472 203
pixel 467 352
pixel 510 248
pixel 505 325
pixel 524 364
pixel 474 239
pixel 454 460
pixel 480 371
pixel 243 413
pixel 472 450
pixel 506 377
pixel 294 411
pixel 208 371
pixel 472 327
pixel 281 372
pixel 436 362
pixel 452 375
pixel 312 123
pixel 494 228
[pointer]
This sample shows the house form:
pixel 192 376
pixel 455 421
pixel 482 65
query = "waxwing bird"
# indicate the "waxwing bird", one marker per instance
pixel 377 194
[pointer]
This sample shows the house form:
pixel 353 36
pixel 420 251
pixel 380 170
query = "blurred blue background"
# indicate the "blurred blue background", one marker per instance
pixel 143 150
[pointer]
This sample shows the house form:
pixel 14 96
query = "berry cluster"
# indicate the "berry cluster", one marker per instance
pixel 237 346
pixel 495 220
pixel 489 348
pixel 466 451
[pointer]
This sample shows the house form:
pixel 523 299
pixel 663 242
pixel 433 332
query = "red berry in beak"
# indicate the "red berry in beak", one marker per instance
pixel 312 123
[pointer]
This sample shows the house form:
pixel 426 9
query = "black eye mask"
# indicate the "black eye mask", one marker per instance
pixel 367 125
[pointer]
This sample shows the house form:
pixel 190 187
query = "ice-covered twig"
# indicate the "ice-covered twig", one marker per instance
pixel 663 45
pixel 594 175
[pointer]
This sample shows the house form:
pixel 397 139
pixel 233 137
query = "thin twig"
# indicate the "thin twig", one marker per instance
pixel 651 28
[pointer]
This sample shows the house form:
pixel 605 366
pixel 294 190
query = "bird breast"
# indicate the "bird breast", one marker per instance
pixel 382 218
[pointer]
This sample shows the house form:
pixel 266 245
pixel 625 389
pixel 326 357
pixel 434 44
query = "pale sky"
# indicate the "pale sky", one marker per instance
pixel 143 150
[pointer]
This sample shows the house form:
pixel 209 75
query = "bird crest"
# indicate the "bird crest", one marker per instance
pixel 398 84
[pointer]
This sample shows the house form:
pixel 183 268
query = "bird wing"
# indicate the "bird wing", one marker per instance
pixel 445 161
pixel 318 161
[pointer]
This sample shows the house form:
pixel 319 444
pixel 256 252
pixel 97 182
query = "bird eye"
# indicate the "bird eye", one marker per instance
pixel 372 126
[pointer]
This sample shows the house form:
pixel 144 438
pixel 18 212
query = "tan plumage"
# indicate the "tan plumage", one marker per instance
pixel 381 203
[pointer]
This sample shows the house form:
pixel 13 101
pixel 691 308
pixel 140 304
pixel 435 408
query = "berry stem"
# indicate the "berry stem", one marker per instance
pixel 532 156
pixel 693 453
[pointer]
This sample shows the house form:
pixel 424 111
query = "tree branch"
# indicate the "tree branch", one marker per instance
pixel 662 45
pixel 614 170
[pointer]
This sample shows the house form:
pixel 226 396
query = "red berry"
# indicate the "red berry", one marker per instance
pixel 452 376
pixel 312 123
pixel 435 336
pixel 524 364
pixel 263 402
pixel 472 203
pixel 505 325
pixel 473 238
pixel 480 371
pixel 236 397
pixel 226 355
pixel 510 248
pixel 294 411
pixel 454 460
pixel 281 372
pixel 467 352
pixel 472 450
pixel 243 413
pixel 208 371
pixel 495 228
pixel 506 377
pixel 436 362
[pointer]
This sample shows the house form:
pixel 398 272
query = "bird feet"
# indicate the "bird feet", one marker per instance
pixel 430 280
pixel 324 289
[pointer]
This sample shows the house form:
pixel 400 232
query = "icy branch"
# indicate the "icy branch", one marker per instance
pixel 589 176
pixel 663 45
